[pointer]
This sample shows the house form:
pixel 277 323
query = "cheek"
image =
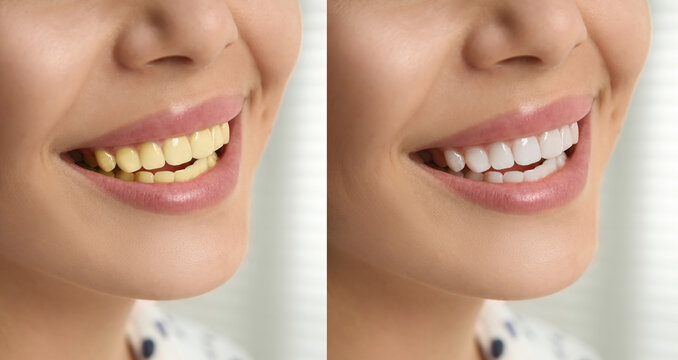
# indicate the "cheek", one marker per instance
pixel 41 69
pixel 622 37
pixel 275 55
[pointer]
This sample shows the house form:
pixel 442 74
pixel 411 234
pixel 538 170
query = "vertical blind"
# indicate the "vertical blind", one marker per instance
pixel 275 306
pixel 626 305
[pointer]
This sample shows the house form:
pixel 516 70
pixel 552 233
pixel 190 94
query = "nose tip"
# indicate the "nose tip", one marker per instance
pixel 542 32
pixel 177 32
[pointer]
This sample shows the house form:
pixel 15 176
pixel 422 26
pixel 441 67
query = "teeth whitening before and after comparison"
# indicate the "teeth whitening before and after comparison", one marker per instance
pixel 338 179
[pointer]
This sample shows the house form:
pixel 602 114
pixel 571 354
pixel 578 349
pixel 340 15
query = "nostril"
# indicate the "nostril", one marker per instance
pixel 172 60
pixel 525 60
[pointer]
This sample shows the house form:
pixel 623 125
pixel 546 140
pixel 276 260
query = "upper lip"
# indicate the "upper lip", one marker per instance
pixel 526 121
pixel 178 120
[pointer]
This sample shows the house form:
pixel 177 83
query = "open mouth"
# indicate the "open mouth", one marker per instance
pixel 174 159
pixel 523 159
pixel 528 160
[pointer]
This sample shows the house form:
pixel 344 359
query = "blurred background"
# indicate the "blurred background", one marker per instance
pixel 626 305
pixel 275 305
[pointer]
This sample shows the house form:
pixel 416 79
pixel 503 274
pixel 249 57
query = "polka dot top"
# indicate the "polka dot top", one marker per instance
pixel 156 335
pixel 505 335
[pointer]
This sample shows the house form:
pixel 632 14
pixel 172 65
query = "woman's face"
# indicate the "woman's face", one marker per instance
pixel 84 81
pixel 418 86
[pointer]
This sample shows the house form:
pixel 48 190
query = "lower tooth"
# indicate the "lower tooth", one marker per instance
pixel 561 160
pixel 474 176
pixel 122 175
pixel 164 177
pixel 182 175
pixel 494 177
pixel 514 177
pixel 144 177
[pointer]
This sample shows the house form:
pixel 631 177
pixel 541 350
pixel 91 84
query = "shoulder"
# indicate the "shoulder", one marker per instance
pixel 505 334
pixel 156 334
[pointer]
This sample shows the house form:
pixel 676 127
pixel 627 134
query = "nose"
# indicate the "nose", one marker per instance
pixel 540 32
pixel 187 32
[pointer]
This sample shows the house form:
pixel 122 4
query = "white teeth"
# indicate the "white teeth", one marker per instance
pixel 473 162
pixel 566 135
pixel 501 156
pixel 574 129
pixel 526 150
pixel 494 177
pixel 474 176
pixel 533 175
pixel 476 159
pixel 560 160
pixel 454 160
pixel 551 144
pixel 514 177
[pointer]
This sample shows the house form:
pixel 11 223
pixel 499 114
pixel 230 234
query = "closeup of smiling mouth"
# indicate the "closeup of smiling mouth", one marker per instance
pixel 178 158
pixel 176 161
pixel 526 161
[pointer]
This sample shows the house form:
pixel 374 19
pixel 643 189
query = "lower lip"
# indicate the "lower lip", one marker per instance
pixel 204 191
pixel 553 191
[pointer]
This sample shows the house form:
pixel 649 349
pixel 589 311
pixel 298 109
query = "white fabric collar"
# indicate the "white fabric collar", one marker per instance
pixel 156 335
pixel 505 335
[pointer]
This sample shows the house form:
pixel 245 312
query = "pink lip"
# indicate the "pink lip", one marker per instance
pixel 204 191
pixel 525 122
pixel 524 198
pixel 178 121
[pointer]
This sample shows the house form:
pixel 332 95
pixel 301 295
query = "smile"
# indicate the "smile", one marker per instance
pixel 176 161
pixel 523 162
pixel 523 159
pixel 180 158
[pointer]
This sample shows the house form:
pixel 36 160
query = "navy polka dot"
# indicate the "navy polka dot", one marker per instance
pixel 147 348
pixel 510 328
pixel 161 328
pixel 497 348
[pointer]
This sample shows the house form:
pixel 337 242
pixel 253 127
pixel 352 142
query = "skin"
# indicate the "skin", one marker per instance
pixel 72 257
pixel 410 262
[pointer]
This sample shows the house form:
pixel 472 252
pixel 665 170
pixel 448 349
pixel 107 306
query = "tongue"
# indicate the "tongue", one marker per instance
pixel 169 167
pixel 517 167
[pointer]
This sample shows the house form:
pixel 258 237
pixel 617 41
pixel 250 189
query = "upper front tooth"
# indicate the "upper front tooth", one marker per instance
pixel 128 159
pixel 151 156
pixel 202 143
pixel 551 143
pixel 526 150
pixel 226 132
pixel 501 156
pixel 217 137
pixel 567 137
pixel 574 129
pixel 476 159
pixel 105 160
pixel 177 150
pixel 454 160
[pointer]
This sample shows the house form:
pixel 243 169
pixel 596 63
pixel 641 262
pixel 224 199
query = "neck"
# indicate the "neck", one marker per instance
pixel 373 314
pixel 42 317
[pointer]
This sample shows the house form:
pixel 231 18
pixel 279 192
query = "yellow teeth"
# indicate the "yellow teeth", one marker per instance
pixel 151 156
pixel 126 163
pixel 177 150
pixel 105 160
pixel 128 159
